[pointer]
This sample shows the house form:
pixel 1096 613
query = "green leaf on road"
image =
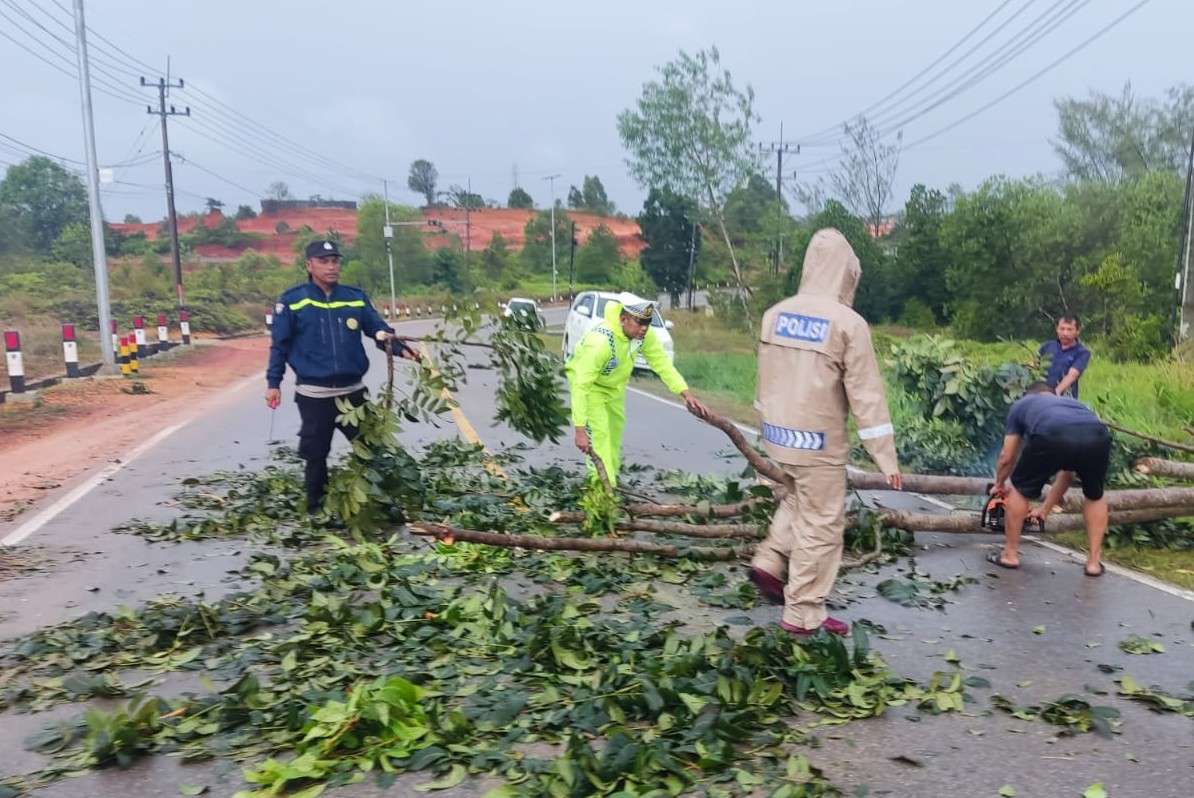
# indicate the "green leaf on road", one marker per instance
pixel 1007 791
pixel 192 789
pixel 1038 630
pixel 1095 791
pixel 1138 644
pixel 454 777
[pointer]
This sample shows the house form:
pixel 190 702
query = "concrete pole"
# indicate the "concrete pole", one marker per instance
pixel 99 257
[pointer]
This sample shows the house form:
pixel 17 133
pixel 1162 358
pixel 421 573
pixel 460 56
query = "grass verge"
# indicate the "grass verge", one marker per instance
pixel 1173 565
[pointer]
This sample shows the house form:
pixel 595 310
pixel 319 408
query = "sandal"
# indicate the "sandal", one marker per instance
pixel 996 558
pixel 1102 570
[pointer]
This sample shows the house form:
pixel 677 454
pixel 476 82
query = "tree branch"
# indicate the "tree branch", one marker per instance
pixel 1181 447
pixel 665 511
pixel 1064 522
pixel 759 462
pixel 449 535
pixel 1165 468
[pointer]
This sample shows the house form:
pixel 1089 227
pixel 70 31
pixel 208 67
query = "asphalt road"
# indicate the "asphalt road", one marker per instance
pixel 990 624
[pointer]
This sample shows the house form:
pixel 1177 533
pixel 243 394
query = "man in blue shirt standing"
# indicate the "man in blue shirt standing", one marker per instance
pixel 317 332
pixel 1052 435
pixel 1068 358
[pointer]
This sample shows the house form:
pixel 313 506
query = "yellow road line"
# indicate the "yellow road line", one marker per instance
pixel 463 425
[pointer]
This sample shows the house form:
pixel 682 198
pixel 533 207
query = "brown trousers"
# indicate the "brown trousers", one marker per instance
pixel 805 540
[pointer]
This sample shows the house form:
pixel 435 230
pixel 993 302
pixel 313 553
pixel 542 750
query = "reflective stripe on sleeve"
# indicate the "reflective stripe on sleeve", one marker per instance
pixel 348 303
pixel 868 433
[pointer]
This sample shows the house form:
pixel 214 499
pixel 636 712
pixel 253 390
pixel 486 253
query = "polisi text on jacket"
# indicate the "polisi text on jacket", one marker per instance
pixel 802 328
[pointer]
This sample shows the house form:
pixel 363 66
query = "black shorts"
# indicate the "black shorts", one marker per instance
pixel 1085 450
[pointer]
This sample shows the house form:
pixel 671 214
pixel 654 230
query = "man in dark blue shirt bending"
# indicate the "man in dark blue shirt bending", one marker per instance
pixel 1068 358
pixel 1052 434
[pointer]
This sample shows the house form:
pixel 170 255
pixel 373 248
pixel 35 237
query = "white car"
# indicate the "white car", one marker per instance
pixel 527 309
pixel 588 310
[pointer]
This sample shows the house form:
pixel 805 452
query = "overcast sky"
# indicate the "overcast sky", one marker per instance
pixel 482 88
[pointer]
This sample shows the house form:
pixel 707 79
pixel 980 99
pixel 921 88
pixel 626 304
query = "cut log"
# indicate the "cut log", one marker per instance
pixel 920 483
pixel 642 509
pixel 1181 447
pixel 450 534
pixel 692 530
pixel 1165 468
pixel 1062 522
pixel 1135 499
pixel 758 462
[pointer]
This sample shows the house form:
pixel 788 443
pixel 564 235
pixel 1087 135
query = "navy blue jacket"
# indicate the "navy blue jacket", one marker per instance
pixel 320 335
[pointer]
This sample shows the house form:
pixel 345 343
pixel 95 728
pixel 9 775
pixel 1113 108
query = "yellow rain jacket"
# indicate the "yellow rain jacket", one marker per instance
pixel 598 372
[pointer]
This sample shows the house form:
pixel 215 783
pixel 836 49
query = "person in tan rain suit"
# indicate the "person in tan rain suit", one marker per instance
pixel 816 363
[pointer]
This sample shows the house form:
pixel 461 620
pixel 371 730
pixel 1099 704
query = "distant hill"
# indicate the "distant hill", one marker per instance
pixel 279 229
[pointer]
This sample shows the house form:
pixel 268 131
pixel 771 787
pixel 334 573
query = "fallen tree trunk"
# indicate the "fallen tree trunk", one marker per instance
pixel 638 509
pixel 691 530
pixel 1061 522
pixel 1165 468
pixel 758 462
pixel 920 483
pixel 1181 447
pixel 450 534
pixel 1135 499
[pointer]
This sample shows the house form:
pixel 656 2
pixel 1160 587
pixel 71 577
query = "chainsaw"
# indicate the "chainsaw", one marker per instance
pixel 995 512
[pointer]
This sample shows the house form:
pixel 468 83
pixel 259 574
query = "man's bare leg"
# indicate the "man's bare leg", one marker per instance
pixel 1094 514
pixel 1015 511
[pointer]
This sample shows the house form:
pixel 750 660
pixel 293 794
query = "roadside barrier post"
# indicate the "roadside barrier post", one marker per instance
pixel 184 323
pixel 143 349
pixel 269 318
pixel 15 361
pixel 163 333
pixel 385 311
pixel 126 368
pixel 115 337
pixel 70 350
pixel 134 365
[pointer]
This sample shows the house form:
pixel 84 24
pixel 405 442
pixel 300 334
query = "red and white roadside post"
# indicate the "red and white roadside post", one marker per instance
pixel 15 361
pixel 163 333
pixel 70 350
pixel 143 348
pixel 269 318
pixel 184 323
pixel 115 337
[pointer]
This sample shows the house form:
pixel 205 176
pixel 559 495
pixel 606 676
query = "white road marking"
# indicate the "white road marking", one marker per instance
pixel 107 472
pixel 1127 573
pixel 45 516
pixel 1118 570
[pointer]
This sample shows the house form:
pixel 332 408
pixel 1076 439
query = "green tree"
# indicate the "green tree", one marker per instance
pixel 576 200
pixel 748 205
pixel 73 245
pixel 278 190
pixel 690 132
pixel 597 261
pixel 590 197
pixel 47 196
pixel 460 197
pixel 666 224
pixel 132 218
pixel 495 259
pixel 536 250
pixel 875 298
pixel 1108 138
pixel 864 178
pixel 449 271
pixel 422 179
pixel 519 198
pixel 921 261
pixel 15 235
pixel 213 204
pixel 245 212
pixel 412 262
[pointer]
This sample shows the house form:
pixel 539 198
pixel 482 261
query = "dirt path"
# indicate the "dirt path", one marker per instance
pixel 76 426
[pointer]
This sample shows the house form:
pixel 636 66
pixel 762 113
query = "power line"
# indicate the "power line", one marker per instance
pixel 136 62
pixel 832 128
pixel 38 150
pixel 1035 76
pixel 69 44
pixel 191 162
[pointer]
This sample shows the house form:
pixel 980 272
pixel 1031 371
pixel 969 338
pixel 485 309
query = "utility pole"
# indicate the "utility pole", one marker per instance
pixel 692 266
pixel 572 265
pixel 779 148
pixel 1185 296
pixel 552 180
pixel 99 256
pixel 388 234
pixel 163 87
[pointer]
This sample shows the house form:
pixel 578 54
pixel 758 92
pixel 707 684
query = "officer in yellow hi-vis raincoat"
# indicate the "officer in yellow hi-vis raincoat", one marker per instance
pixel 600 368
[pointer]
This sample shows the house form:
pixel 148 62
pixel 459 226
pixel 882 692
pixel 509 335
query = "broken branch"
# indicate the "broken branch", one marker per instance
pixel 758 462
pixel 665 511
pixel 449 534
pixel 1181 447
pixel 1165 468
pixel 1063 522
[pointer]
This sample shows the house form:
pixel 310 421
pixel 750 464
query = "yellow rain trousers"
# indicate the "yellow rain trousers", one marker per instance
pixel 598 372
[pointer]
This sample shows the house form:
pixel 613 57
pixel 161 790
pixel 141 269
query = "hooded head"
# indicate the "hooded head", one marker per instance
pixel 830 267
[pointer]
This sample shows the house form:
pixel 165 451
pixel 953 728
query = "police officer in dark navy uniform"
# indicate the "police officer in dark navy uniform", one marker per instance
pixel 317 331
